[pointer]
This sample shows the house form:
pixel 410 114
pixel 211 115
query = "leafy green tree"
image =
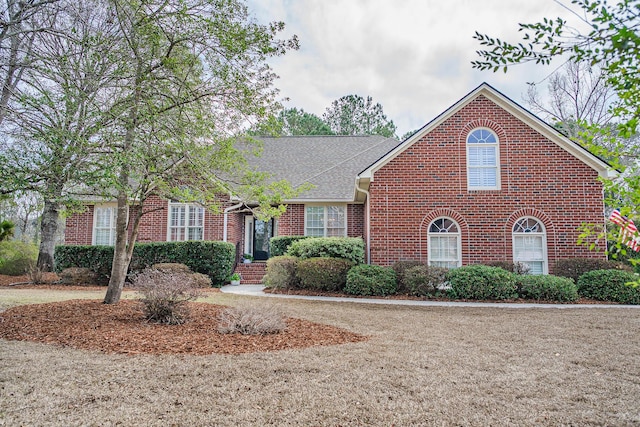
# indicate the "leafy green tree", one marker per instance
pixel 190 79
pixel 613 44
pixel 355 115
pixel 293 122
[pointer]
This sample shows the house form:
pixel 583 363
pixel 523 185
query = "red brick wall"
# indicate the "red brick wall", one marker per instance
pixel 429 180
pixel 79 227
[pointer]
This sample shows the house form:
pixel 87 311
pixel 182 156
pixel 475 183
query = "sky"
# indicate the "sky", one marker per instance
pixel 412 56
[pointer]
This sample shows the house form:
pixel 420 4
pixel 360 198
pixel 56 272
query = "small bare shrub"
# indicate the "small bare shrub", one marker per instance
pixel 35 273
pixel 250 320
pixel 199 280
pixel 165 295
pixel 423 280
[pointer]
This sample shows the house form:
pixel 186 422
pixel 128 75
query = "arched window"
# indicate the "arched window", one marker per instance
pixel 482 160
pixel 530 244
pixel 444 243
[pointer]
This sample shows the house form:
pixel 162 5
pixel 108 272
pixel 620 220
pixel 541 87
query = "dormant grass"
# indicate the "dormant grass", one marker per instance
pixel 422 366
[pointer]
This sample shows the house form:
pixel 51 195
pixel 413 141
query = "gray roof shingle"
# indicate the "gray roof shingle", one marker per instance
pixel 330 163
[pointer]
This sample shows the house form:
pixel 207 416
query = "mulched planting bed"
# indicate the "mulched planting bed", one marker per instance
pixel 122 328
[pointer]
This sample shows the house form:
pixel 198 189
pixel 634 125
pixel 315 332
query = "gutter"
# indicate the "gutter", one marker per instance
pixel 368 221
pixel 225 228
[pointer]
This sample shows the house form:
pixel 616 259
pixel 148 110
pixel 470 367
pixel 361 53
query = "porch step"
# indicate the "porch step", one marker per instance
pixel 251 274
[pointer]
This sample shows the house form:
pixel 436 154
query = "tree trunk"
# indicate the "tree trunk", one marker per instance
pixel 121 258
pixel 48 232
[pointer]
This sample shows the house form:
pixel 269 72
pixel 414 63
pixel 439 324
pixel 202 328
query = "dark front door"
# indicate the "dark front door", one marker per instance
pixel 262 232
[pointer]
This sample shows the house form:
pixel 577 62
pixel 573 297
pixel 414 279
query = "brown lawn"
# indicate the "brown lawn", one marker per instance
pixel 420 366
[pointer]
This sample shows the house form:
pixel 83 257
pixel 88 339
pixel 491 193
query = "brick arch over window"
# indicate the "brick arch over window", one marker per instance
pixel 546 222
pixel 503 146
pixel 424 229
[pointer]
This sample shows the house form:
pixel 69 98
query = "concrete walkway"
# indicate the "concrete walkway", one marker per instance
pixel 257 291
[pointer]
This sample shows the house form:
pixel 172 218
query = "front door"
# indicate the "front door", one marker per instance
pixel 257 236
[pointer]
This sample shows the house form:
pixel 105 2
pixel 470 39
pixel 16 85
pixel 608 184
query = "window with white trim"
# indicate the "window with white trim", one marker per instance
pixel 325 221
pixel 186 222
pixel 444 243
pixel 482 160
pixel 104 225
pixel 530 244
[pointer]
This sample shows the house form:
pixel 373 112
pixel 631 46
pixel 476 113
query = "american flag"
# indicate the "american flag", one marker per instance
pixel 628 230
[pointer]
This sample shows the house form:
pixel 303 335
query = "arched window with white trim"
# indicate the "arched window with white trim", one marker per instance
pixel 483 172
pixel 444 243
pixel 530 244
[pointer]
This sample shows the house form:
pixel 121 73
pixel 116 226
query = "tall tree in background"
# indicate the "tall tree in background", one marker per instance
pixel 293 122
pixel 577 93
pixel 355 115
pixel 192 78
pixel 56 113
pixel 19 25
pixel 613 44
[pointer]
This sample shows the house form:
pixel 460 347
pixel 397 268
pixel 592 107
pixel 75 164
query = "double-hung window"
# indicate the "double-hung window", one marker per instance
pixel 104 225
pixel 325 221
pixel 186 222
pixel 482 160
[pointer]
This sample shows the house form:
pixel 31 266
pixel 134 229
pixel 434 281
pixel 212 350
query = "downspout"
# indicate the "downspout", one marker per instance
pixel 367 220
pixel 225 227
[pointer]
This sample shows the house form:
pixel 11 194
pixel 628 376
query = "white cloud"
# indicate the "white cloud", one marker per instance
pixel 412 56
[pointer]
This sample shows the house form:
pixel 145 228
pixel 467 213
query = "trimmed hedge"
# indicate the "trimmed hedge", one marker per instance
pixel 547 288
pixel 366 279
pixel 349 248
pixel 609 285
pixel 512 267
pixel 323 274
pixel 215 259
pixel 281 272
pixel 576 267
pixel 423 280
pixel 279 245
pixel 481 282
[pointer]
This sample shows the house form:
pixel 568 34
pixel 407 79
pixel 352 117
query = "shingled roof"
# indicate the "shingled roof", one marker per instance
pixel 330 163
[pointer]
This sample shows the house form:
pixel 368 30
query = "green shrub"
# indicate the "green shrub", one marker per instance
pixel 96 258
pixel 215 259
pixel 281 272
pixel 280 244
pixel 371 280
pixel 324 274
pixel 576 267
pixel 349 248
pixel 16 258
pixel 513 267
pixel 400 267
pixel 609 285
pixel 423 280
pixel 547 288
pixel 481 282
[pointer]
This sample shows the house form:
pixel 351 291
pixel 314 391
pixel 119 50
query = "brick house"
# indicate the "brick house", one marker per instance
pixel 484 181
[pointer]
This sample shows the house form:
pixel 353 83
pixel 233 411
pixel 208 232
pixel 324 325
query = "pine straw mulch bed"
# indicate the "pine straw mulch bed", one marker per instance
pixel 122 328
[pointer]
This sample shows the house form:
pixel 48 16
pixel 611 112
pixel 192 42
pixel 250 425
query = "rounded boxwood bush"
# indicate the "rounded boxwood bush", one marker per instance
pixel 279 245
pixel 371 280
pixel 481 282
pixel 281 272
pixel 323 274
pixel 547 288
pixel 610 285
pixel 350 248
pixel 576 267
